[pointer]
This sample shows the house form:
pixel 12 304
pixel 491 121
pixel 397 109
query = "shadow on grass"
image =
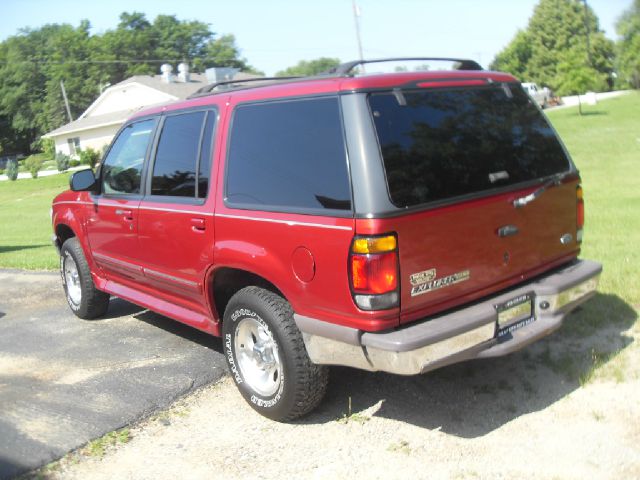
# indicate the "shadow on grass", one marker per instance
pixel 477 397
pixel 596 113
pixel 593 113
pixel 15 248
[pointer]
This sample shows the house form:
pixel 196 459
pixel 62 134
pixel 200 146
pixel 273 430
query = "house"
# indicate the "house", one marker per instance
pixel 97 126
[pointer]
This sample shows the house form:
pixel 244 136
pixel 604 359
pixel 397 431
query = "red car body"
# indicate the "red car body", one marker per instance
pixel 176 257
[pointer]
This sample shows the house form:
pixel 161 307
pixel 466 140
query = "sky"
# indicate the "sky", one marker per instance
pixel 275 34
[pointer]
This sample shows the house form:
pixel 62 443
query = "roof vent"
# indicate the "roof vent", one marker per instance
pixel 216 75
pixel 166 72
pixel 183 73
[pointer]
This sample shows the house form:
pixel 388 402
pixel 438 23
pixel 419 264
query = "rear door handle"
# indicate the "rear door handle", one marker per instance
pixel 198 224
pixel 508 231
pixel 127 214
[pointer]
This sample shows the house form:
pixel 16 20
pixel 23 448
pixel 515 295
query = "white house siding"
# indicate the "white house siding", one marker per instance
pixel 97 126
pixel 95 138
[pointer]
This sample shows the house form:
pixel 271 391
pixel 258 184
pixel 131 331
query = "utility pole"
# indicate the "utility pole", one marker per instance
pixel 586 25
pixel 66 100
pixel 356 18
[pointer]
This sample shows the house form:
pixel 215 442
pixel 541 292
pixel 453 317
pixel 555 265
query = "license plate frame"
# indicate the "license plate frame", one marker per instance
pixel 514 314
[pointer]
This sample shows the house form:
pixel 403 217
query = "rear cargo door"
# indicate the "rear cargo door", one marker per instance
pixel 455 161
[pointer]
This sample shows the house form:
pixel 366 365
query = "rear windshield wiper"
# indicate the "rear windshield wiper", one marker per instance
pixel 553 181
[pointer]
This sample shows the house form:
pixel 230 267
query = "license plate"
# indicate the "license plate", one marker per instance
pixel 515 313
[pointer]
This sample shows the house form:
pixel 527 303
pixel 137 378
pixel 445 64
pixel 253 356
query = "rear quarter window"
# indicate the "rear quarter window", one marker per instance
pixel 438 144
pixel 288 156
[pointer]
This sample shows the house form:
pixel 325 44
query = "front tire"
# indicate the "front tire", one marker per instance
pixel 84 299
pixel 267 357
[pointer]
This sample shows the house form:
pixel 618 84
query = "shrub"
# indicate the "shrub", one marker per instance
pixel 45 146
pixel 89 156
pixel 74 163
pixel 12 169
pixel 62 161
pixel 34 164
pixel 49 148
pixel 1 171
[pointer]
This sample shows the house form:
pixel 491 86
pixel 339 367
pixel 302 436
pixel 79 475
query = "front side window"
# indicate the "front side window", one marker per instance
pixel 122 168
pixel 288 156
pixel 179 153
pixel 442 143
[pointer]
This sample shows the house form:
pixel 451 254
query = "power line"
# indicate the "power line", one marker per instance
pixel 102 62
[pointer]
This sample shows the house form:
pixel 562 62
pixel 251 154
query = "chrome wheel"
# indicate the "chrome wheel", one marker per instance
pixel 72 279
pixel 257 356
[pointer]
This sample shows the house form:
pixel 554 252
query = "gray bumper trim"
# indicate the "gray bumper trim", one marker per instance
pixel 463 334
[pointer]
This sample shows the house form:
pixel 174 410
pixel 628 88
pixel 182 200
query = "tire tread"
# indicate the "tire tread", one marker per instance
pixel 310 382
pixel 94 302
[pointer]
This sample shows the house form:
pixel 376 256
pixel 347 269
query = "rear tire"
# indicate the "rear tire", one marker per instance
pixel 267 357
pixel 84 299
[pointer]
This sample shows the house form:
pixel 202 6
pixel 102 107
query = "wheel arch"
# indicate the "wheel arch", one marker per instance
pixel 63 233
pixel 224 282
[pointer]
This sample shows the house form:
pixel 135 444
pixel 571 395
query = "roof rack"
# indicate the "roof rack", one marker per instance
pixel 342 70
pixel 462 64
pixel 231 84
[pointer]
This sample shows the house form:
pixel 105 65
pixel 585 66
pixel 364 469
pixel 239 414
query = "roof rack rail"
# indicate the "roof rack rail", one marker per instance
pixel 231 84
pixel 462 64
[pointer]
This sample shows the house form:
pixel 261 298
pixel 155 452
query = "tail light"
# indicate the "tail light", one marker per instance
pixel 373 269
pixel 579 213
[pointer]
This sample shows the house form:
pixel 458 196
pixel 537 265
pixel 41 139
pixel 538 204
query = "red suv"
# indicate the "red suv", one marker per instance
pixel 389 222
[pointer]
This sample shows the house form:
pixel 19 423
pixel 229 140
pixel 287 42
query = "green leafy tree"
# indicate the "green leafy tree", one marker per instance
pixel 515 57
pixel 628 47
pixel 560 33
pixel 574 77
pixel 179 40
pixel 223 52
pixel 35 62
pixel 309 68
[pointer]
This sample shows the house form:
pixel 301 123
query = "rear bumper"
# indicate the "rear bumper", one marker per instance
pixel 467 333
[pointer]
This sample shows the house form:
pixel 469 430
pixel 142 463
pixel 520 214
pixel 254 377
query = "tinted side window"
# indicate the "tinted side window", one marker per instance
pixel 122 167
pixel 446 143
pixel 205 156
pixel 288 155
pixel 174 169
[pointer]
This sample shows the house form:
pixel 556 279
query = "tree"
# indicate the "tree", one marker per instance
pixel 309 68
pixel 628 47
pixel 223 52
pixel 574 77
pixel 515 56
pixel 561 34
pixel 34 62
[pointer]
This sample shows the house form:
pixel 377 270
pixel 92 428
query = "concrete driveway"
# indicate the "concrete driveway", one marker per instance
pixel 66 381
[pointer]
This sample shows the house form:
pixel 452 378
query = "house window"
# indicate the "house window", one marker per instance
pixel 74 145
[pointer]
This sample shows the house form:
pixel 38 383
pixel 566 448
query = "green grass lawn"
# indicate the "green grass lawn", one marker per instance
pixel 605 145
pixel 25 225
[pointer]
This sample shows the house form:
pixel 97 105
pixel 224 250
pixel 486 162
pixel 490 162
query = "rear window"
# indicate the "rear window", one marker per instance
pixel 438 144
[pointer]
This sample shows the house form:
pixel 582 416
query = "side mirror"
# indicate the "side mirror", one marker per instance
pixel 83 180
